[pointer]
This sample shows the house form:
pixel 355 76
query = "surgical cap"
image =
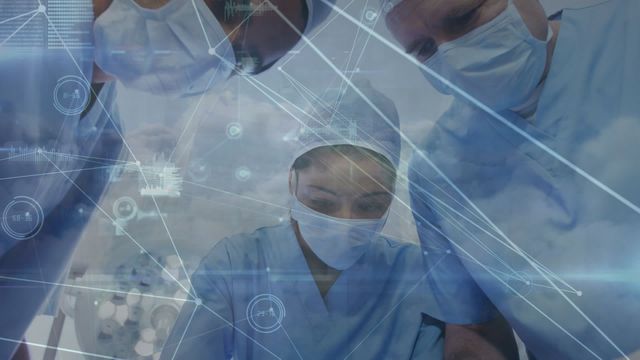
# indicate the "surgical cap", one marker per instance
pixel 318 12
pixel 347 119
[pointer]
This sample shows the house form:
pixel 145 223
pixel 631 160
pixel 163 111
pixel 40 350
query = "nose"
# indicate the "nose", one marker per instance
pixel 345 212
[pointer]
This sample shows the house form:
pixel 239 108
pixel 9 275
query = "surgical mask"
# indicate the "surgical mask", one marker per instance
pixel 500 63
pixel 338 242
pixel 165 51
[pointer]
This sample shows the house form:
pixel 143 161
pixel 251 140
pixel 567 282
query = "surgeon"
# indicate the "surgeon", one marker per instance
pixel 530 178
pixel 60 128
pixel 325 284
pixel 183 47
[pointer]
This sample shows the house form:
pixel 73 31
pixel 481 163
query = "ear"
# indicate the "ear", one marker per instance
pixel 291 182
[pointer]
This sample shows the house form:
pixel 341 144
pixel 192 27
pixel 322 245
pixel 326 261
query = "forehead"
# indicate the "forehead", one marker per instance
pixel 269 34
pixel 428 13
pixel 414 9
pixel 343 170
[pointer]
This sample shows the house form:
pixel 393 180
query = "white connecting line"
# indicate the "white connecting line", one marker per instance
pixel 414 147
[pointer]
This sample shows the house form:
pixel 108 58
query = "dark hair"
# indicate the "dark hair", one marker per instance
pixel 305 160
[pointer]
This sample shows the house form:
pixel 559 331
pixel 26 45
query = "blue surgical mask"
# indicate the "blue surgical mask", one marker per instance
pixel 338 242
pixel 165 51
pixel 500 63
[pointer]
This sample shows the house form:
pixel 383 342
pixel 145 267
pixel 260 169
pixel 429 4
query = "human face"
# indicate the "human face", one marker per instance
pixel 422 25
pixel 264 37
pixel 347 186
pixel 262 34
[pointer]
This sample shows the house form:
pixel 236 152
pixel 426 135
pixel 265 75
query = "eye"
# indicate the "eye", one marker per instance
pixel 373 209
pixel 321 205
pixel 426 49
pixel 459 21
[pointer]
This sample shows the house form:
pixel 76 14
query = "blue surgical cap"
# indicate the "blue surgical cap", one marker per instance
pixel 318 12
pixel 347 119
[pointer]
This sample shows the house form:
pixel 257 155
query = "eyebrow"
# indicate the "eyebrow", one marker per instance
pixel 377 193
pixel 320 188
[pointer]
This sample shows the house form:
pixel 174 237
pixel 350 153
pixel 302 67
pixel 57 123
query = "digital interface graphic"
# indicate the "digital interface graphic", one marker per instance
pixel 315 179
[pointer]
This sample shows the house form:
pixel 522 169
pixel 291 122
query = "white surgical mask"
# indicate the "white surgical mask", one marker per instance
pixel 164 51
pixel 500 63
pixel 338 242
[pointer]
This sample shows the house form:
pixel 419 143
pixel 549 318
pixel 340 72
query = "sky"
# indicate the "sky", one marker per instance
pixel 237 183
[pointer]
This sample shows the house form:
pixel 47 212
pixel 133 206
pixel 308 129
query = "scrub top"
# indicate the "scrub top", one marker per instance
pixel 267 305
pixel 55 150
pixel 551 250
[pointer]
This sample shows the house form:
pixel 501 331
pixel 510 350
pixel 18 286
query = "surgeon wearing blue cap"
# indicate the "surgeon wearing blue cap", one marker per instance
pixel 325 284
pixel 59 62
pixel 531 176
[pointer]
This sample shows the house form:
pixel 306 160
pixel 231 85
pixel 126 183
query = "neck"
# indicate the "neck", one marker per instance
pixel 551 47
pixel 99 6
pixel 529 108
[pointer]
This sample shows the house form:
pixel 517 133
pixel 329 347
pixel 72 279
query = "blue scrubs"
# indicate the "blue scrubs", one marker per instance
pixel 45 131
pixel 262 285
pixel 553 252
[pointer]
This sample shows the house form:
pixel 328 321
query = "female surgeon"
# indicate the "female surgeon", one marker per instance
pixel 326 284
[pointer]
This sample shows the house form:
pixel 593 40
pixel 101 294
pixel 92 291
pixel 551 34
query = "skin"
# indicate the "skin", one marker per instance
pixel 420 26
pixel 266 36
pixel 335 186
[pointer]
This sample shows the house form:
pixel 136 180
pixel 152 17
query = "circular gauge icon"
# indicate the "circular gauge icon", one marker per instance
pixel 22 218
pixel 71 95
pixel 198 170
pixel 234 130
pixel 265 313
pixel 125 208
pixel 243 173
pixel 370 15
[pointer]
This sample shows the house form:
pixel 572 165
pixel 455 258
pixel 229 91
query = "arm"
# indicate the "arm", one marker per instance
pixel 204 331
pixel 492 340
pixel 459 300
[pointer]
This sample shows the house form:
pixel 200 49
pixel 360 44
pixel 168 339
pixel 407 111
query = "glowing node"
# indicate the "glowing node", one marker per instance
pixel 211 51
pixel 42 9
pixel 125 208
pixel 71 95
pixel 198 170
pixel 22 218
pixel 370 15
pixel 243 173
pixel 234 130
pixel 579 293
pixel 198 302
pixel 448 251
pixel 265 313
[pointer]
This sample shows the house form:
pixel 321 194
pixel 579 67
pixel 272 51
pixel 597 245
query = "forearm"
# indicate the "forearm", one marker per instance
pixel 493 340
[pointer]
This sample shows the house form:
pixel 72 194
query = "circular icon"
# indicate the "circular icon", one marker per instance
pixel 22 218
pixel 243 173
pixel 234 130
pixel 198 170
pixel 521 282
pixel 265 313
pixel 370 15
pixel 71 95
pixel 125 208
